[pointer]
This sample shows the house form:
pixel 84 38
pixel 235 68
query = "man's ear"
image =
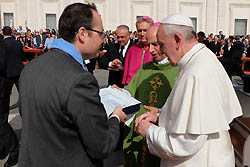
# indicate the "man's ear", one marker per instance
pixel 178 40
pixel 82 34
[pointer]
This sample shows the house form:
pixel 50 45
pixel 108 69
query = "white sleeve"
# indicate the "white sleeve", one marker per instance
pixel 34 41
pixel 110 64
pixel 173 146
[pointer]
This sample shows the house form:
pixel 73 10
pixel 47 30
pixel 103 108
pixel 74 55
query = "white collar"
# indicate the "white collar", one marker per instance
pixel 7 37
pixel 126 46
pixel 189 54
pixel 165 60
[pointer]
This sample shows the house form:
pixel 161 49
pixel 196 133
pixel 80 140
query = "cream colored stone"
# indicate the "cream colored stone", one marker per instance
pixel 212 15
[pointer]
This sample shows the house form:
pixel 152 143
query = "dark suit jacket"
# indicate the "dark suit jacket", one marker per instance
pixel 215 47
pixel 115 77
pixel 64 123
pixel 237 50
pixel 3 80
pixel 227 60
pixel 14 52
pixel 39 40
pixel 248 52
pixel 3 60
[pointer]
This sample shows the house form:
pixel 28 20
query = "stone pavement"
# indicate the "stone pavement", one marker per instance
pixel 16 122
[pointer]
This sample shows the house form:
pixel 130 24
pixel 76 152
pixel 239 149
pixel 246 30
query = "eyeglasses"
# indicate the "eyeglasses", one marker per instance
pixel 101 33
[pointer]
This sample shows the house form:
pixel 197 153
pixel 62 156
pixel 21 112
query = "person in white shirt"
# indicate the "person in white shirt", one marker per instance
pixel 192 127
pixel 48 42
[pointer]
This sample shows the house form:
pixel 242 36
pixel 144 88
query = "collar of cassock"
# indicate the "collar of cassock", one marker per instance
pixel 162 65
pixel 190 54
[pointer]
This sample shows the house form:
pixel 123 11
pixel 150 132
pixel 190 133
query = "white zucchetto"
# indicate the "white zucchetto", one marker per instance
pixel 177 19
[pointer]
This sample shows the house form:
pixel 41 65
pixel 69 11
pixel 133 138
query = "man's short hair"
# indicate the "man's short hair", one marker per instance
pixel 6 30
pixel 73 17
pixel 123 26
pixel 144 19
pixel 186 31
pixel 201 34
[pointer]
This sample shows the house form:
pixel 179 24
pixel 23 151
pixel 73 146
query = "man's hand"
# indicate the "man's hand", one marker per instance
pixel 152 110
pixel 102 52
pixel 147 116
pixel 116 87
pixel 120 67
pixel 116 62
pixel 118 111
pixel 142 127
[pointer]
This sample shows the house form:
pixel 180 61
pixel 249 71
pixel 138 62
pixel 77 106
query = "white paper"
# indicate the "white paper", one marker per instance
pixel 130 118
pixel 112 97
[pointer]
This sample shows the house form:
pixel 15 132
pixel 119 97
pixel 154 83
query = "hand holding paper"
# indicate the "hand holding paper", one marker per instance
pixel 116 87
pixel 118 111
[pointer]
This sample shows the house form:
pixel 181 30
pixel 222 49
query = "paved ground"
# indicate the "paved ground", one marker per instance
pixel 16 122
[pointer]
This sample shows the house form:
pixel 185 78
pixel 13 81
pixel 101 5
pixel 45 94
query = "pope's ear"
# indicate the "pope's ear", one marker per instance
pixel 82 34
pixel 178 40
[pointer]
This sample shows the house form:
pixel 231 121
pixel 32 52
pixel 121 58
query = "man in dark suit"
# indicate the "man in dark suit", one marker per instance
pixel 201 37
pixel 40 40
pixel 114 58
pixel 64 122
pixel 11 66
pixel 237 50
pixel 215 46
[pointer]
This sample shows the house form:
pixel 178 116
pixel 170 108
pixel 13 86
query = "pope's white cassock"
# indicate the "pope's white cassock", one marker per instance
pixel 194 122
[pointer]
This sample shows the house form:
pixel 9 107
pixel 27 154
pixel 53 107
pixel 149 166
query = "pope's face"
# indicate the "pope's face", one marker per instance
pixel 167 45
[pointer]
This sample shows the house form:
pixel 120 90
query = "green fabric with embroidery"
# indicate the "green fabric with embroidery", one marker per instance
pixel 151 85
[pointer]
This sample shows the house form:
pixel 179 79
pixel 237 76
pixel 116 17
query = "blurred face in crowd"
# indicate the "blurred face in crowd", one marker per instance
pixel 91 40
pixel 49 35
pixel 153 45
pixel 14 31
pixel 142 28
pixel 215 38
pixel 222 41
pixel 41 31
pixel 122 35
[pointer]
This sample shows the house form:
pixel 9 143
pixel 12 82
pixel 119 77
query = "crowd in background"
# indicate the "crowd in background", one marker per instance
pixel 232 46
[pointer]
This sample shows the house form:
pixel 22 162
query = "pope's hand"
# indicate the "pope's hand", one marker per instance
pixel 118 111
pixel 143 127
pixel 147 116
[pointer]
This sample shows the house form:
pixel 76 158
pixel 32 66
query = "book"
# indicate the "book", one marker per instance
pixel 112 97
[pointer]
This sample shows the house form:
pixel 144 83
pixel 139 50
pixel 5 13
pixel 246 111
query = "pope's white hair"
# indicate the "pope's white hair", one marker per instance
pixel 186 31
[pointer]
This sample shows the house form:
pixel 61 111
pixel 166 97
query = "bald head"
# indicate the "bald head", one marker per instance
pixel 151 33
pixel 154 47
